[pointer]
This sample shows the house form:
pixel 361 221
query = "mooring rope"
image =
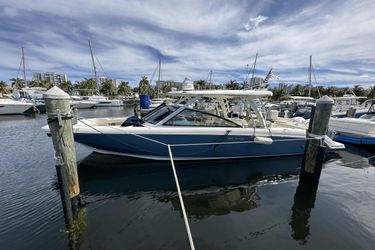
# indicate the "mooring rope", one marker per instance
pixel 181 199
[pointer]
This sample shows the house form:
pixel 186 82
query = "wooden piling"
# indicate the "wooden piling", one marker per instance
pixel 314 149
pixel 59 117
pixel 351 112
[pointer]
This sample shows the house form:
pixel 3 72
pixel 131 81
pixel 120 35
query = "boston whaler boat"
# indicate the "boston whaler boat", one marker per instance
pixel 193 133
pixel 355 130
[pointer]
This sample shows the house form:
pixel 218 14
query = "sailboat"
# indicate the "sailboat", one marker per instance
pixel 15 107
pixel 100 101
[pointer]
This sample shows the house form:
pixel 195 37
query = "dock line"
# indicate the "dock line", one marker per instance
pixel 181 200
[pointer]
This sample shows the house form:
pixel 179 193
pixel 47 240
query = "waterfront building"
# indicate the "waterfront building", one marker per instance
pixel 52 77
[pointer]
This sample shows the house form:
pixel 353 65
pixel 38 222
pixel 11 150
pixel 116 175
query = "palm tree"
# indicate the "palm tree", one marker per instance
pixel 358 90
pixel 144 86
pixel 124 88
pixel 232 84
pixel 107 87
pixel 17 83
pixel 371 93
pixel 201 84
pixel 3 85
pixel 278 93
pixel 66 86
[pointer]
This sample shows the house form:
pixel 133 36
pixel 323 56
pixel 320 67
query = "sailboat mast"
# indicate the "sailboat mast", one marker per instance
pixel 210 82
pixel 95 73
pixel 310 75
pixel 24 69
pixel 159 70
pixel 252 75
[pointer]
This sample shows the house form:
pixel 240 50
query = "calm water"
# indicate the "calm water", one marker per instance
pixel 252 204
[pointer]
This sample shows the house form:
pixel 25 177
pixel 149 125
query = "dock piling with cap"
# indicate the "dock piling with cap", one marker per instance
pixel 59 117
pixel 314 149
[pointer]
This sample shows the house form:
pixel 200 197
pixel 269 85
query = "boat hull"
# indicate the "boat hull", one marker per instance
pixel 353 130
pixel 189 147
pixel 14 108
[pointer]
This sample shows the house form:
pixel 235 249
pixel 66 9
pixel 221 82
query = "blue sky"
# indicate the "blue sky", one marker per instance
pixel 192 38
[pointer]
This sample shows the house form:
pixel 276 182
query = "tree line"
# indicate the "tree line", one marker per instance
pixel 88 86
pixel 85 87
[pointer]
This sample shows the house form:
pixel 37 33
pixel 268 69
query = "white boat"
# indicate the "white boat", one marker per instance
pixel 81 104
pixel 155 102
pixel 12 107
pixel 102 101
pixel 343 103
pixel 195 134
pixel 78 102
pixel 355 130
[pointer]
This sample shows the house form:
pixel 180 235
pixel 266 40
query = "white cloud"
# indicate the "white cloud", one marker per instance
pixel 253 23
pixel 198 35
pixel 7 11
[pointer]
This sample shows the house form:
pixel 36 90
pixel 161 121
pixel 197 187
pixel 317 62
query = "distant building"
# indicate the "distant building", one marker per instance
pixel 51 77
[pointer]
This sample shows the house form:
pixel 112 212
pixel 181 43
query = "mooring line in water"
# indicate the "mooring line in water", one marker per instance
pixel 181 200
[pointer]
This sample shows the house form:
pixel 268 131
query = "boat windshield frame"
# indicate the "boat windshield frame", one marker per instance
pixel 234 125
pixel 157 115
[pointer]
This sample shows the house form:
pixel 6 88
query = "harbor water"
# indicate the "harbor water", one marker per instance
pixel 133 204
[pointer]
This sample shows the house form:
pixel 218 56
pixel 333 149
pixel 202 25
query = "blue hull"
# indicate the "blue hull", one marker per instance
pixel 130 145
pixel 355 140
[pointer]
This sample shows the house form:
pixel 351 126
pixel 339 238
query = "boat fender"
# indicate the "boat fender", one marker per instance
pixel 262 140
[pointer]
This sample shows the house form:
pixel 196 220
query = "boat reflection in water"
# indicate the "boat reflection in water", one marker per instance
pixel 106 175
pixel 210 189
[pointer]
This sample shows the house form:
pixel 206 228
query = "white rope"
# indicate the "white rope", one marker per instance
pixel 181 200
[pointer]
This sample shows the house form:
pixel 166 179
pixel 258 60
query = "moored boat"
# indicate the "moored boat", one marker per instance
pixel 193 133
pixel 12 107
pixel 360 131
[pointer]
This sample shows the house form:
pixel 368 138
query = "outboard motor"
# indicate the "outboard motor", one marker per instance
pixel 132 121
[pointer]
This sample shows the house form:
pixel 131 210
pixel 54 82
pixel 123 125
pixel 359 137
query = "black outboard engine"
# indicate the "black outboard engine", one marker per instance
pixel 132 121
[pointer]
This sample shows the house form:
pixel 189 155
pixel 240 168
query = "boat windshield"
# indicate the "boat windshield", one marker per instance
pixel 371 110
pixel 159 113
pixel 196 118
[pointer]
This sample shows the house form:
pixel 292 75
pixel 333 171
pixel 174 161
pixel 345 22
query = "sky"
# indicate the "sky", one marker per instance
pixel 191 38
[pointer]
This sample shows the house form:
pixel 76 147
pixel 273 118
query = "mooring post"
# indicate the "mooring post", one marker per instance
pixel 351 112
pixel 314 149
pixel 59 119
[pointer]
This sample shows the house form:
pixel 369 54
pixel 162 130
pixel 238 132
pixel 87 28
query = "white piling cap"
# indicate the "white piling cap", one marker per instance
pixel 56 93
pixel 325 100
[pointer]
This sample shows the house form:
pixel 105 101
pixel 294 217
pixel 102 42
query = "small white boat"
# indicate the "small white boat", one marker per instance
pixel 102 101
pixel 12 107
pixel 343 103
pixel 355 130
